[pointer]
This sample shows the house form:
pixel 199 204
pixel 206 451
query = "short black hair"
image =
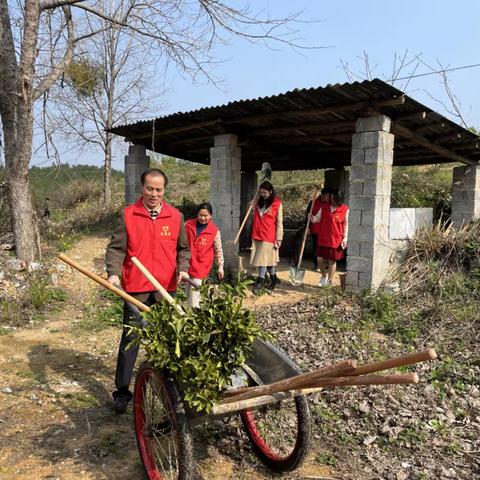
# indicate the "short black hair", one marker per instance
pixel 205 206
pixel 325 190
pixel 154 171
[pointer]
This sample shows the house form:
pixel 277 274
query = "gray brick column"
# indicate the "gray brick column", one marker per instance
pixel 225 180
pixel 248 189
pixel 136 162
pixel 465 195
pixel 370 189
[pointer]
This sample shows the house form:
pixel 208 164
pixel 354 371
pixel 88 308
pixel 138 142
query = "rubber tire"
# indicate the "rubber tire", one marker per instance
pixel 186 463
pixel 302 444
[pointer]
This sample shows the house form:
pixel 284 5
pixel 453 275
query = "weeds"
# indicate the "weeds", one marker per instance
pixel 103 311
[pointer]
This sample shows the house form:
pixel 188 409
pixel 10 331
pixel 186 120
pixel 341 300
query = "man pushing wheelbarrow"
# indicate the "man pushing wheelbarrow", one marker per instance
pixel 154 232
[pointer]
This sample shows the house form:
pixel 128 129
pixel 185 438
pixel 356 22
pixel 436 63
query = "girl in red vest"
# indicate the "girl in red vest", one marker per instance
pixel 267 235
pixel 205 244
pixel 332 236
pixel 322 199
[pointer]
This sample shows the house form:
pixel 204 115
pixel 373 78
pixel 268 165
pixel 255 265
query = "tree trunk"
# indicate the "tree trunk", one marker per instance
pixel 17 119
pixel 107 171
pixel 23 215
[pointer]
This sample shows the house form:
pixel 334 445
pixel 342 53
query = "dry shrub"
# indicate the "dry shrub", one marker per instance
pixel 79 191
pixel 436 253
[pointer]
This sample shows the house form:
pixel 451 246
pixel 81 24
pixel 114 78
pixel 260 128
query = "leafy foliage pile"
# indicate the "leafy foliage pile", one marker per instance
pixel 204 348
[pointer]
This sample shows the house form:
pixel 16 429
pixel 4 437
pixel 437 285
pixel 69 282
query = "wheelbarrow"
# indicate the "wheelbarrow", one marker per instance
pixel 269 395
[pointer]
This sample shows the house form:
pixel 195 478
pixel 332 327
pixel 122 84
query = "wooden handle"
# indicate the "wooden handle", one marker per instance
pixel 402 360
pixel 244 221
pixel 305 233
pixel 104 283
pixel 297 381
pixel 157 285
pixel 236 405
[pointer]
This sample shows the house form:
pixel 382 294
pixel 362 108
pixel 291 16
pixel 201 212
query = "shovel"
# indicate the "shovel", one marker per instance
pixel 297 274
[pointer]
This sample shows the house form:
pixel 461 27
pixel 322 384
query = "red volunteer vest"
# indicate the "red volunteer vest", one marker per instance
pixel 331 226
pixel 263 227
pixel 317 205
pixel 201 247
pixel 154 243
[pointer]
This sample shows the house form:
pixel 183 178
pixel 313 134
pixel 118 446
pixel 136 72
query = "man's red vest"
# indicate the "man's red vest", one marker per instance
pixel 332 226
pixel 263 227
pixel 317 204
pixel 154 243
pixel 201 247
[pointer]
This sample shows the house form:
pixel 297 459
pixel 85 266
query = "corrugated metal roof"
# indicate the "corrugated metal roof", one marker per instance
pixel 307 128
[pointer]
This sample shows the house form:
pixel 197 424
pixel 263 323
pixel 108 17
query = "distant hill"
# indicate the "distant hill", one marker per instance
pixel 64 183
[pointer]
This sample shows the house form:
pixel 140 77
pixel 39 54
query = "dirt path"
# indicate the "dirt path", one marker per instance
pixel 55 384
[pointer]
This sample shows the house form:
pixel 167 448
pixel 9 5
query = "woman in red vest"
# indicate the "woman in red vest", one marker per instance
pixel 322 199
pixel 332 235
pixel 205 244
pixel 267 235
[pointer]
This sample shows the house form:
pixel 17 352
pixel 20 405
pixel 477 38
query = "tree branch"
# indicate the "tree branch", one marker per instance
pixel 59 69
pixel 52 4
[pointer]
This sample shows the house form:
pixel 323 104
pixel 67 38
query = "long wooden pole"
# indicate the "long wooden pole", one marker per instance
pixel 335 370
pixel 104 283
pixel 400 361
pixel 245 218
pixel 235 406
pixel 157 285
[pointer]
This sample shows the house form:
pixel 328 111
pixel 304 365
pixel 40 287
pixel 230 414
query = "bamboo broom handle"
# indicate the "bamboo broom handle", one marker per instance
pixel 157 285
pixel 297 381
pixel 236 406
pixel 104 283
pixel 409 359
pixel 302 249
pixel 244 221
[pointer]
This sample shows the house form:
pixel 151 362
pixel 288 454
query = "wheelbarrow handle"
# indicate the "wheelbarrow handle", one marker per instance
pixel 133 310
pixel 192 282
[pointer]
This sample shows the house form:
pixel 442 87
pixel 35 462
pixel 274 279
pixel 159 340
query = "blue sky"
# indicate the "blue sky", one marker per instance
pixel 442 30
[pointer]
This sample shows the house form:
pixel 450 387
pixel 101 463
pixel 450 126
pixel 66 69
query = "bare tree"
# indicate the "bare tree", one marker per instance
pixel 106 84
pixel 37 43
pixel 404 68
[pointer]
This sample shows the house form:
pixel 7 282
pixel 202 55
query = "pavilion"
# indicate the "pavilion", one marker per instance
pixel 367 126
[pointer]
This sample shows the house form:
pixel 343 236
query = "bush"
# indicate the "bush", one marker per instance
pixel 415 187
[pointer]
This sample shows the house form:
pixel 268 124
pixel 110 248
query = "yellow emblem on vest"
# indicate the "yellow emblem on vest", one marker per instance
pixel 165 231
pixel 202 241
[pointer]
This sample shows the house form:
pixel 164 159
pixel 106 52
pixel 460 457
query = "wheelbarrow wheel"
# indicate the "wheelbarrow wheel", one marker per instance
pixel 161 427
pixel 279 433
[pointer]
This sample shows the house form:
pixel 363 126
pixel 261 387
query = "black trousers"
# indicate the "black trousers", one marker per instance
pixel 127 356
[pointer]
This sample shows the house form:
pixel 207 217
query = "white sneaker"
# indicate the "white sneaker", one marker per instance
pixel 322 282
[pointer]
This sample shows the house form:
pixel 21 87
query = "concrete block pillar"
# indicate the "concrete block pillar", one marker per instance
pixel 465 195
pixel 247 192
pixel 339 180
pixel 136 162
pixel 370 189
pixel 225 181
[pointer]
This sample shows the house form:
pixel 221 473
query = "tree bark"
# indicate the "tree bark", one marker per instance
pixel 17 118
pixel 107 170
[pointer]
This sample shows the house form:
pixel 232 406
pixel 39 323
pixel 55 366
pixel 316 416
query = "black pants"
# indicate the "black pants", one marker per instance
pixel 127 356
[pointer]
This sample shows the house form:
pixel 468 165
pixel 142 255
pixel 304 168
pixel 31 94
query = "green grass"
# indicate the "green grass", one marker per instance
pixel 102 311
pixel 79 400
